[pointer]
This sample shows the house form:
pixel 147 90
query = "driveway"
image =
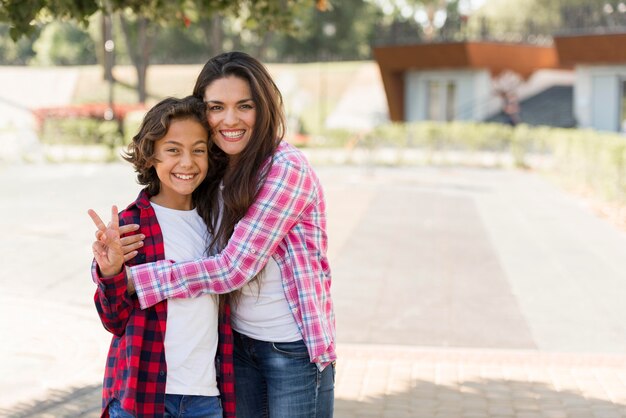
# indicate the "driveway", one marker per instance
pixel 423 258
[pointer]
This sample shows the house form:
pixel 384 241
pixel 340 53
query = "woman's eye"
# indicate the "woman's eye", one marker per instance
pixel 200 151
pixel 173 150
pixel 215 108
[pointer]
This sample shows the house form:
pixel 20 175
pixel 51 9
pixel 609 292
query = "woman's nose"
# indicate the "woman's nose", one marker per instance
pixel 230 117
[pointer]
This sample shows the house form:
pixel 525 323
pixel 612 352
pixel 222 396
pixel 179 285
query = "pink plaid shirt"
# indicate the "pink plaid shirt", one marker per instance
pixel 287 221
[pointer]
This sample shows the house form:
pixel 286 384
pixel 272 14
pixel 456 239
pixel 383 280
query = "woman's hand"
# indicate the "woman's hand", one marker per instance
pixel 131 243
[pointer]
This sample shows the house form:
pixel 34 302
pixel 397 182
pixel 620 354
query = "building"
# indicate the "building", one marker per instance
pixel 599 63
pixel 576 81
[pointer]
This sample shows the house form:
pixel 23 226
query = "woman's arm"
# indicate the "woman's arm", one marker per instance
pixel 287 192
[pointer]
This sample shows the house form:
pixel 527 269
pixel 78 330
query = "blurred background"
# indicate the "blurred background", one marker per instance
pixel 356 75
pixel 474 160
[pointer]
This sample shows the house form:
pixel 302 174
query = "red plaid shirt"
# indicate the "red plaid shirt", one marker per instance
pixel 135 371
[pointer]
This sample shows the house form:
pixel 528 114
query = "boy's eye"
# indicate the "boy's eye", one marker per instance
pixel 171 150
pixel 200 151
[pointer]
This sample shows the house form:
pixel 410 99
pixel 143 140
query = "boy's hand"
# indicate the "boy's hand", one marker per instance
pixel 107 249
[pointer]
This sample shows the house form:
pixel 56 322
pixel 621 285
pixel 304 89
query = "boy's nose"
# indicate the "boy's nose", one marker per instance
pixel 185 159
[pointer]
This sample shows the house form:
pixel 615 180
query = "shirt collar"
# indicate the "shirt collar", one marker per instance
pixel 143 200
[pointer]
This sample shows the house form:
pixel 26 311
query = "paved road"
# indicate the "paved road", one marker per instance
pixel 460 261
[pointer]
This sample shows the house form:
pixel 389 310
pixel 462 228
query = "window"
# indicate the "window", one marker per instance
pixel 450 101
pixel 441 100
pixel 434 101
pixel 623 103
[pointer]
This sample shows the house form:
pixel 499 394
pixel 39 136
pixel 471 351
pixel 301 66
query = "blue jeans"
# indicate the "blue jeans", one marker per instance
pixel 190 406
pixel 179 406
pixel 116 411
pixel 278 380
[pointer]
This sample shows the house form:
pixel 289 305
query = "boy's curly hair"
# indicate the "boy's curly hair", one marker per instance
pixel 155 124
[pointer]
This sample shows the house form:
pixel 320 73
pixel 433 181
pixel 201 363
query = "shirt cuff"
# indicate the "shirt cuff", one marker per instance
pixel 114 286
pixel 147 280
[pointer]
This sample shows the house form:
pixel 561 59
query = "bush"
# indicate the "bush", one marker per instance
pixel 80 131
pixel 64 43
pixel 132 122
pixel 583 159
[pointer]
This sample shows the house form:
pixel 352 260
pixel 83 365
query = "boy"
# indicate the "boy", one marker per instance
pixel 161 360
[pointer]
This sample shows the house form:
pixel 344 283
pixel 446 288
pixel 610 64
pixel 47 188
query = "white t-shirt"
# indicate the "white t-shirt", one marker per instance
pixel 191 334
pixel 262 312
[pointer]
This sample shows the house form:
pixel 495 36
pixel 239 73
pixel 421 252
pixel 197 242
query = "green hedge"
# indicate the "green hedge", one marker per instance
pixel 89 131
pixel 582 158
pixel 595 161
pixel 80 131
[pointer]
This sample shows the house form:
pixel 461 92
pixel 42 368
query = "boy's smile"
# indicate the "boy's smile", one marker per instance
pixel 182 163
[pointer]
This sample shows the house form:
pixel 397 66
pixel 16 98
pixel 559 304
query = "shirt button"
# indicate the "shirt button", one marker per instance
pixel 253 251
pixel 161 373
pixel 105 302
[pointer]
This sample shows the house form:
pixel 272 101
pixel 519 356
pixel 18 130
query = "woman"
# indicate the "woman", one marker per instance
pixel 269 226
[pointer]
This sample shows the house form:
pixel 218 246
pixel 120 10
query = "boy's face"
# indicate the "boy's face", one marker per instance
pixel 182 163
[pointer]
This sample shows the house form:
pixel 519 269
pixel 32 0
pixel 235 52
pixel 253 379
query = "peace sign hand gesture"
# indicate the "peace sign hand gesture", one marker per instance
pixel 107 249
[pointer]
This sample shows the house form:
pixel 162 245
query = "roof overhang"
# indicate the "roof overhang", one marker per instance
pixel 495 57
pixel 594 49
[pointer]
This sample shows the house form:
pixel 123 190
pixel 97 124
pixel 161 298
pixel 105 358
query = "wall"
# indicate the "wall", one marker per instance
pixel 597 96
pixel 472 95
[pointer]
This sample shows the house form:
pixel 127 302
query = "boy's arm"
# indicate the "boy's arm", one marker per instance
pixel 112 300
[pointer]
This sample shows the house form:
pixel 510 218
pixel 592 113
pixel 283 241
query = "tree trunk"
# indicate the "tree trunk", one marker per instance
pixel 263 45
pixel 139 51
pixel 213 33
pixel 107 55
pixel 217 34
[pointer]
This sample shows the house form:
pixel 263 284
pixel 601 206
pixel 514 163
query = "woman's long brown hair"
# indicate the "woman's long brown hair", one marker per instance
pixel 241 181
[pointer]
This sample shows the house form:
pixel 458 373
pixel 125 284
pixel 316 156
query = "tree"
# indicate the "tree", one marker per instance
pixel 437 18
pixel 346 31
pixel 15 53
pixel 141 18
pixel 61 43
pixel 540 17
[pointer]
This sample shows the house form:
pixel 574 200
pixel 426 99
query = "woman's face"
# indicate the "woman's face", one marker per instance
pixel 231 113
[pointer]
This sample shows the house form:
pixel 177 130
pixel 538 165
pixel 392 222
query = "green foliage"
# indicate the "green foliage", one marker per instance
pixel 132 123
pixel 174 44
pixel 344 31
pixel 592 161
pixel 582 159
pixel 14 53
pixel 457 136
pixel 80 131
pixel 64 43
pixel 24 16
pixel 264 15
pixel 540 17
pixel 182 31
